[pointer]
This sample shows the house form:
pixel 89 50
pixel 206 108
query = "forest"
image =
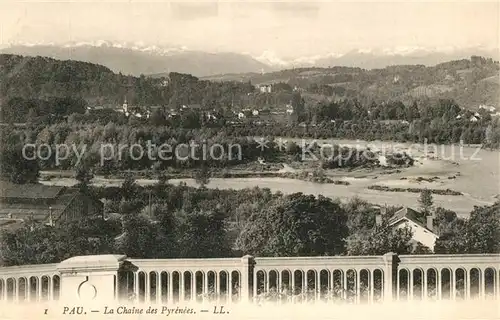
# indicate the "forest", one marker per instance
pixel 187 222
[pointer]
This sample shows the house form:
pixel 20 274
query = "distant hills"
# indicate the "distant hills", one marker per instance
pixel 378 59
pixel 470 82
pixel 34 82
pixel 152 60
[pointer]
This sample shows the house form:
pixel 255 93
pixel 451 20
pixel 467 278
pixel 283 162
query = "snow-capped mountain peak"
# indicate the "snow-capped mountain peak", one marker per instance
pixel 270 58
pixel 136 46
pixel 367 58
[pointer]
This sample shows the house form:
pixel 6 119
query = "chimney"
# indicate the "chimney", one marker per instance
pixel 430 222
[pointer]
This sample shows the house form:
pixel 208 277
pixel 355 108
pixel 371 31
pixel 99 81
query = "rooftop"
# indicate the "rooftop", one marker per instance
pixel 408 213
pixel 32 201
pixel 38 211
pixel 28 191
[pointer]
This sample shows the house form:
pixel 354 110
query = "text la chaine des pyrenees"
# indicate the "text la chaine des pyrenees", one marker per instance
pixel 150 310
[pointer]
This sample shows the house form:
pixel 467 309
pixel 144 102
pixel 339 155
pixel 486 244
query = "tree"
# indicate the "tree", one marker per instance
pixel 452 242
pixel 425 201
pixel 139 237
pixel 84 176
pixel 16 166
pixel 298 106
pixel 478 234
pixel 26 246
pixel 445 221
pixel 483 229
pixel 89 236
pixel 380 240
pixel 295 225
pixel 44 244
pixel 202 234
pixel 127 207
pixel 421 249
pixel 167 228
pixel 202 176
pixel 412 112
pixel 162 180
pixel 161 186
pixel 157 118
pixel 129 188
pixel 361 215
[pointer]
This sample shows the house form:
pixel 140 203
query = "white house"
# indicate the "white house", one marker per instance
pixel 422 233
pixel 289 109
pixel 265 88
pixel 241 115
pixel 255 112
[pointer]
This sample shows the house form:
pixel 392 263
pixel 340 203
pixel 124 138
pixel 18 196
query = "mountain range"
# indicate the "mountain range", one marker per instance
pixel 136 59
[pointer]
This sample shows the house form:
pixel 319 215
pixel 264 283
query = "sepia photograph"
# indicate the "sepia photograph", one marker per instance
pixel 249 159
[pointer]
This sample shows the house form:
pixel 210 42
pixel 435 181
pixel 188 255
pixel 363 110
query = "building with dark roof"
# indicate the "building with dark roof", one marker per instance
pixel 422 227
pixel 44 204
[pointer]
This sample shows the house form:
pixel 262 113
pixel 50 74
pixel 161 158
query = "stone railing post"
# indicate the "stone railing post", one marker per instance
pixel 390 275
pixel 89 278
pixel 246 285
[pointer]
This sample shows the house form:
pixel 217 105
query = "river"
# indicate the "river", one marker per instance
pixel 472 171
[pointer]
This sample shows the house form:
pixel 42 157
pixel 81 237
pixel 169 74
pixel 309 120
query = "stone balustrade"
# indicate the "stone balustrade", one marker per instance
pixel 183 280
pixel 312 278
pixel 433 276
pixel 364 279
pixel 30 283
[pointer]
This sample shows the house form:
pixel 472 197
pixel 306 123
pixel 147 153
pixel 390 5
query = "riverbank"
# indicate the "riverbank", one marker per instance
pixel 475 176
pixel 275 170
pixel 446 192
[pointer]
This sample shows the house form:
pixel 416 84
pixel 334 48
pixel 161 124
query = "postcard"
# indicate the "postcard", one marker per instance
pixel 249 160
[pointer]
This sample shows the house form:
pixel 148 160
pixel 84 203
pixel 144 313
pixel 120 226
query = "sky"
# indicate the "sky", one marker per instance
pixel 289 29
